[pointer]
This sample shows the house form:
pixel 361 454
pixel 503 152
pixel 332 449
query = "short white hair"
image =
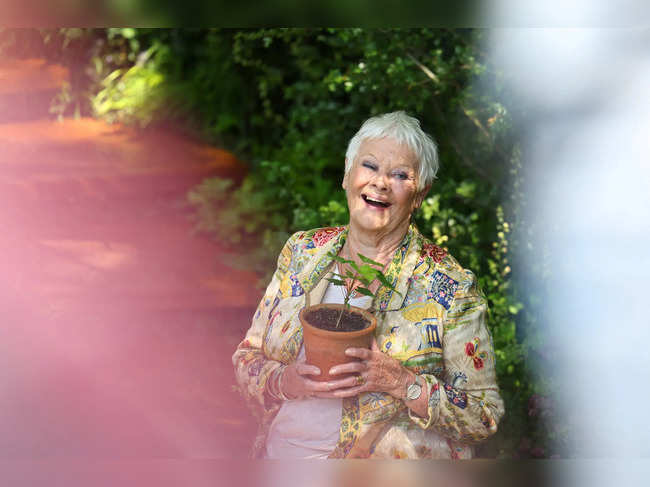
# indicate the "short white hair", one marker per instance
pixel 405 130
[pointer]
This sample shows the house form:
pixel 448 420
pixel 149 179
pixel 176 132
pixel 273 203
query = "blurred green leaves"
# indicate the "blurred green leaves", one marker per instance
pixel 134 95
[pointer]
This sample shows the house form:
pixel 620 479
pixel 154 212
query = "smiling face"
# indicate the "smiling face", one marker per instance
pixel 381 188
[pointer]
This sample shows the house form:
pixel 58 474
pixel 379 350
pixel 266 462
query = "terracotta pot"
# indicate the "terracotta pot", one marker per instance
pixel 325 348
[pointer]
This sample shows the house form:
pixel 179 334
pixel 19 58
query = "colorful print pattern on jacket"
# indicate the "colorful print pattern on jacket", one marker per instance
pixel 436 327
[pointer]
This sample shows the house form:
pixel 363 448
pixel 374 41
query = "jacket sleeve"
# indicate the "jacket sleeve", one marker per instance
pixel 464 402
pixel 253 370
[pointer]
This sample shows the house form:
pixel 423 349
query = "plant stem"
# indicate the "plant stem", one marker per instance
pixel 346 298
pixel 338 322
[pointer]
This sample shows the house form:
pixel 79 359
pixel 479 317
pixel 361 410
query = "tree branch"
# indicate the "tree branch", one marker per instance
pixel 430 74
pixel 434 78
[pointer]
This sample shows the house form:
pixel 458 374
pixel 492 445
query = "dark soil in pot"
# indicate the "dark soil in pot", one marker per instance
pixel 326 319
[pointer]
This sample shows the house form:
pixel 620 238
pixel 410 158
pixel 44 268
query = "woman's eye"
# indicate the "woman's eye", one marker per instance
pixel 401 175
pixel 369 165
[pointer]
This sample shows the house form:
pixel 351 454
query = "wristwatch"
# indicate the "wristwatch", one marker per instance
pixel 414 390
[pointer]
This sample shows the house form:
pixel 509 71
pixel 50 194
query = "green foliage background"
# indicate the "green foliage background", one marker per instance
pixel 288 101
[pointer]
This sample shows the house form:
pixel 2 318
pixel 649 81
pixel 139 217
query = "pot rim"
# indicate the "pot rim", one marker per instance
pixel 339 335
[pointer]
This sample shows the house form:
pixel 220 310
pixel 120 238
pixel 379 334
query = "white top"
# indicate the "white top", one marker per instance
pixel 309 428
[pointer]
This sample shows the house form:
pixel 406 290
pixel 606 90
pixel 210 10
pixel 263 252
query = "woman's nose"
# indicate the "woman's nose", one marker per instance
pixel 380 181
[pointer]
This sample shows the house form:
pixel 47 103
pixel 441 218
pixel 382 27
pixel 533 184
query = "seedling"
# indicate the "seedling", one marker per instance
pixel 363 274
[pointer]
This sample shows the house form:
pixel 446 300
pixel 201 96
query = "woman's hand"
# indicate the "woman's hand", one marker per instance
pixel 376 372
pixel 295 383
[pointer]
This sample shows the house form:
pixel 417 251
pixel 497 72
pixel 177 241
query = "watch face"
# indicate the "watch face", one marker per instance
pixel 413 391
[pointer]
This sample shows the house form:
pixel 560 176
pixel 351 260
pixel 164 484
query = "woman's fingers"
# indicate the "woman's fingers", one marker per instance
pixel 362 353
pixel 355 367
pixel 297 382
pixel 316 386
pixel 382 373
pixel 373 372
pixel 294 379
pixel 348 387
pixel 350 391
pixel 313 386
pixel 340 393
pixel 304 368
pixel 344 383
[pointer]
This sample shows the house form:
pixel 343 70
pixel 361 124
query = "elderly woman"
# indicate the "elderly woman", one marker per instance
pixel 427 386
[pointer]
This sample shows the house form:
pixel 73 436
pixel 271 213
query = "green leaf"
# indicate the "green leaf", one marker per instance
pixel 367 274
pixel 514 309
pixel 384 281
pixel 338 282
pixel 339 259
pixel 367 292
pixel 370 261
pixel 128 32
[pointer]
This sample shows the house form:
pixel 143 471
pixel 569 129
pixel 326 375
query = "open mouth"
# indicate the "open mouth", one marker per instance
pixel 374 202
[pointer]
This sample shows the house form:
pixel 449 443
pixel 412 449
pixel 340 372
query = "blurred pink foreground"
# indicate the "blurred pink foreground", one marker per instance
pixel 117 325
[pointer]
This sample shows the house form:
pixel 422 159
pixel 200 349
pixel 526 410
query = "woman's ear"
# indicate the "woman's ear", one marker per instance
pixel 420 197
pixel 345 176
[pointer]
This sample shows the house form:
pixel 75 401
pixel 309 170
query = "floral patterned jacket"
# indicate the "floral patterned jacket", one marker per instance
pixel 436 326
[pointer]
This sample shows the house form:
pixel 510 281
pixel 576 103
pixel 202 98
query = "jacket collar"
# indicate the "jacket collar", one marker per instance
pixel 399 270
pixel 316 267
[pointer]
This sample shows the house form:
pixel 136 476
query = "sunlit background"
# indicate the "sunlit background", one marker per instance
pixel 587 174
